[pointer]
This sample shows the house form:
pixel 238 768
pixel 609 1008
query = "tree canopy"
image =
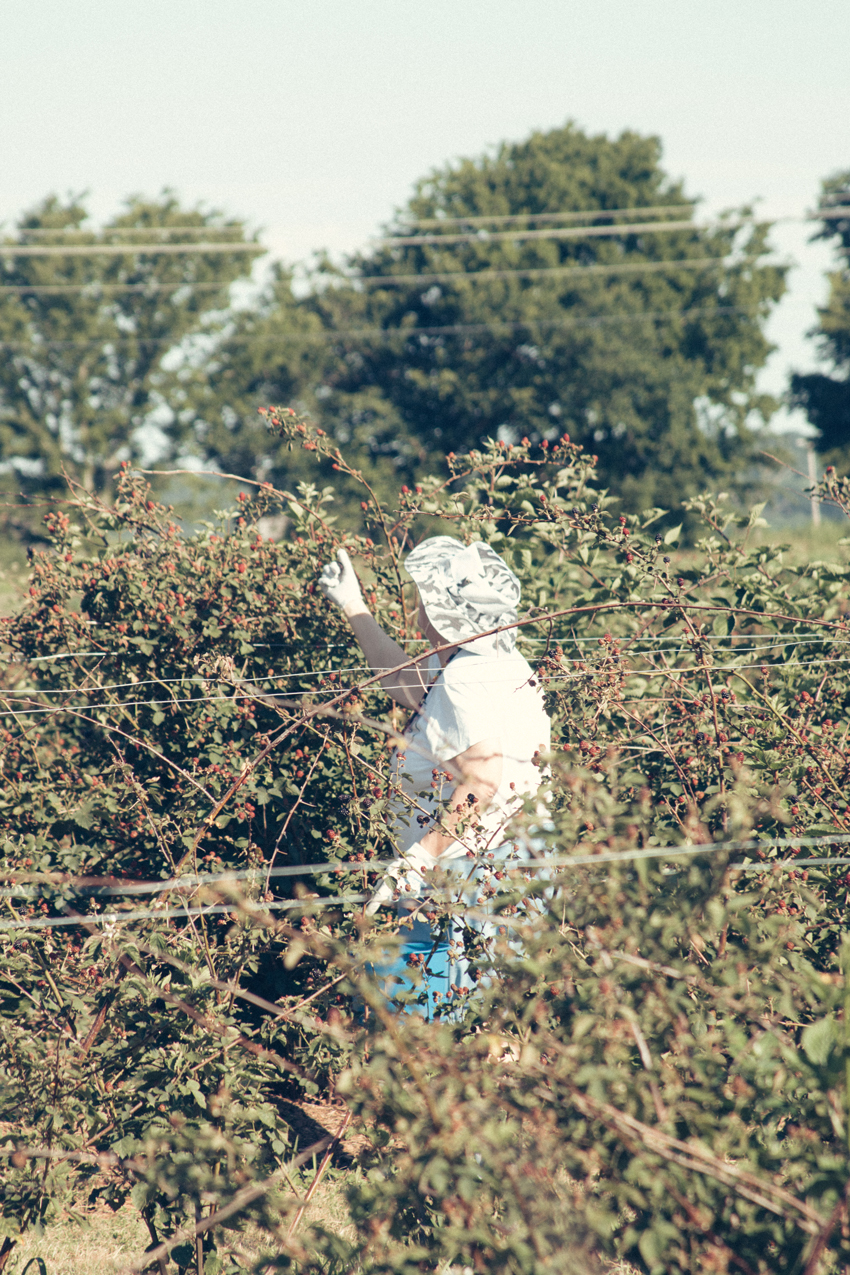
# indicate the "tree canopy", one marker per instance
pixel 85 333
pixel 561 285
pixel 558 285
pixel 826 398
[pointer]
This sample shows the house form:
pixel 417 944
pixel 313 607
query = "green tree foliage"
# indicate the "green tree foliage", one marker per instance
pixel 270 350
pixel 826 399
pixel 650 366
pixel 657 1071
pixel 84 336
pixel 547 321
pixel 283 348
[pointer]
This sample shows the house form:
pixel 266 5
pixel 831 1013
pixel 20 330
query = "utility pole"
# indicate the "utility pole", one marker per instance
pixel 813 478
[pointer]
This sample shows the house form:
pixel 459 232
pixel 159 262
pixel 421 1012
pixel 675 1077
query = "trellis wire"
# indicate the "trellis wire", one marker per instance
pixel 332 691
pixel 168 913
pixel 335 867
pixel 201 679
pixel 623 639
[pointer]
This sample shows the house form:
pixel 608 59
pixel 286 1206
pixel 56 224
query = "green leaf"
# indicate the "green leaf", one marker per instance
pixel 582 1024
pixel 672 535
pixel 819 1039
pixel 83 816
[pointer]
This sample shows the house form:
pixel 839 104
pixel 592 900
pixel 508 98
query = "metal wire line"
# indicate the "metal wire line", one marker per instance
pixel 394 279
pixel 621 638
pixel 451 329
pixel 249 907
pixel 168 913
pixel 8 249
pixel 25 693
pixel 200 680
pixel 676 671
pixel 146 703
pixel 196 679
pixel 637 267
pixel 335 866
pixel 557 233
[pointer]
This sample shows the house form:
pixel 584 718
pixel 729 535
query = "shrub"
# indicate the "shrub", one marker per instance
pixel 179 705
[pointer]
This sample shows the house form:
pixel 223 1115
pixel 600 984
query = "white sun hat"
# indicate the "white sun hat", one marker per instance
pixel 466 589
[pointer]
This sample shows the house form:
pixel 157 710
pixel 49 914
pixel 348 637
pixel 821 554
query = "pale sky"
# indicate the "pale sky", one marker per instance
pixel 313 118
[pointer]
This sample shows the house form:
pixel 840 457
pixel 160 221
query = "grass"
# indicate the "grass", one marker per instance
pixel 808 543
pixel 14 574
pixel 110 1241
pixel 103 1247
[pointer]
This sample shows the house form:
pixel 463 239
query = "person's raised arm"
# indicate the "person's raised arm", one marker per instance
pixel 339 583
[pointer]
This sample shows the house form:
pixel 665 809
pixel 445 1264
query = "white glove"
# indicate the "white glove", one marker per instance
pixel 339 582
pixel 404 876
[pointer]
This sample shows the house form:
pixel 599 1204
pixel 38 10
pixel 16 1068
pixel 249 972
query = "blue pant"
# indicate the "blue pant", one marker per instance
pixel 426 950
pixel 445 973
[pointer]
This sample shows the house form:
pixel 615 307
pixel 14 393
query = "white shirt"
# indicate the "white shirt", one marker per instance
pixel 475 697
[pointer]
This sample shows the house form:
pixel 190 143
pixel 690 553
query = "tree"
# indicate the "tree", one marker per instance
pixel 475 334
pixel 824 398
pixel 285 349
pixel 86 334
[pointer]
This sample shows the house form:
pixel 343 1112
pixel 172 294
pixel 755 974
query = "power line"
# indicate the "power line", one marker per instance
pixel 644 211
pixel 42 232
pixel 451 329
pixel 840 211
pixel 392 280
pixel 123 250
pixel 566 232
pixel 50 289
pixel 639 267
pixel 18 249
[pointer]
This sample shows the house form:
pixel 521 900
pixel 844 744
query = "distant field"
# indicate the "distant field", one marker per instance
pixel 810 543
